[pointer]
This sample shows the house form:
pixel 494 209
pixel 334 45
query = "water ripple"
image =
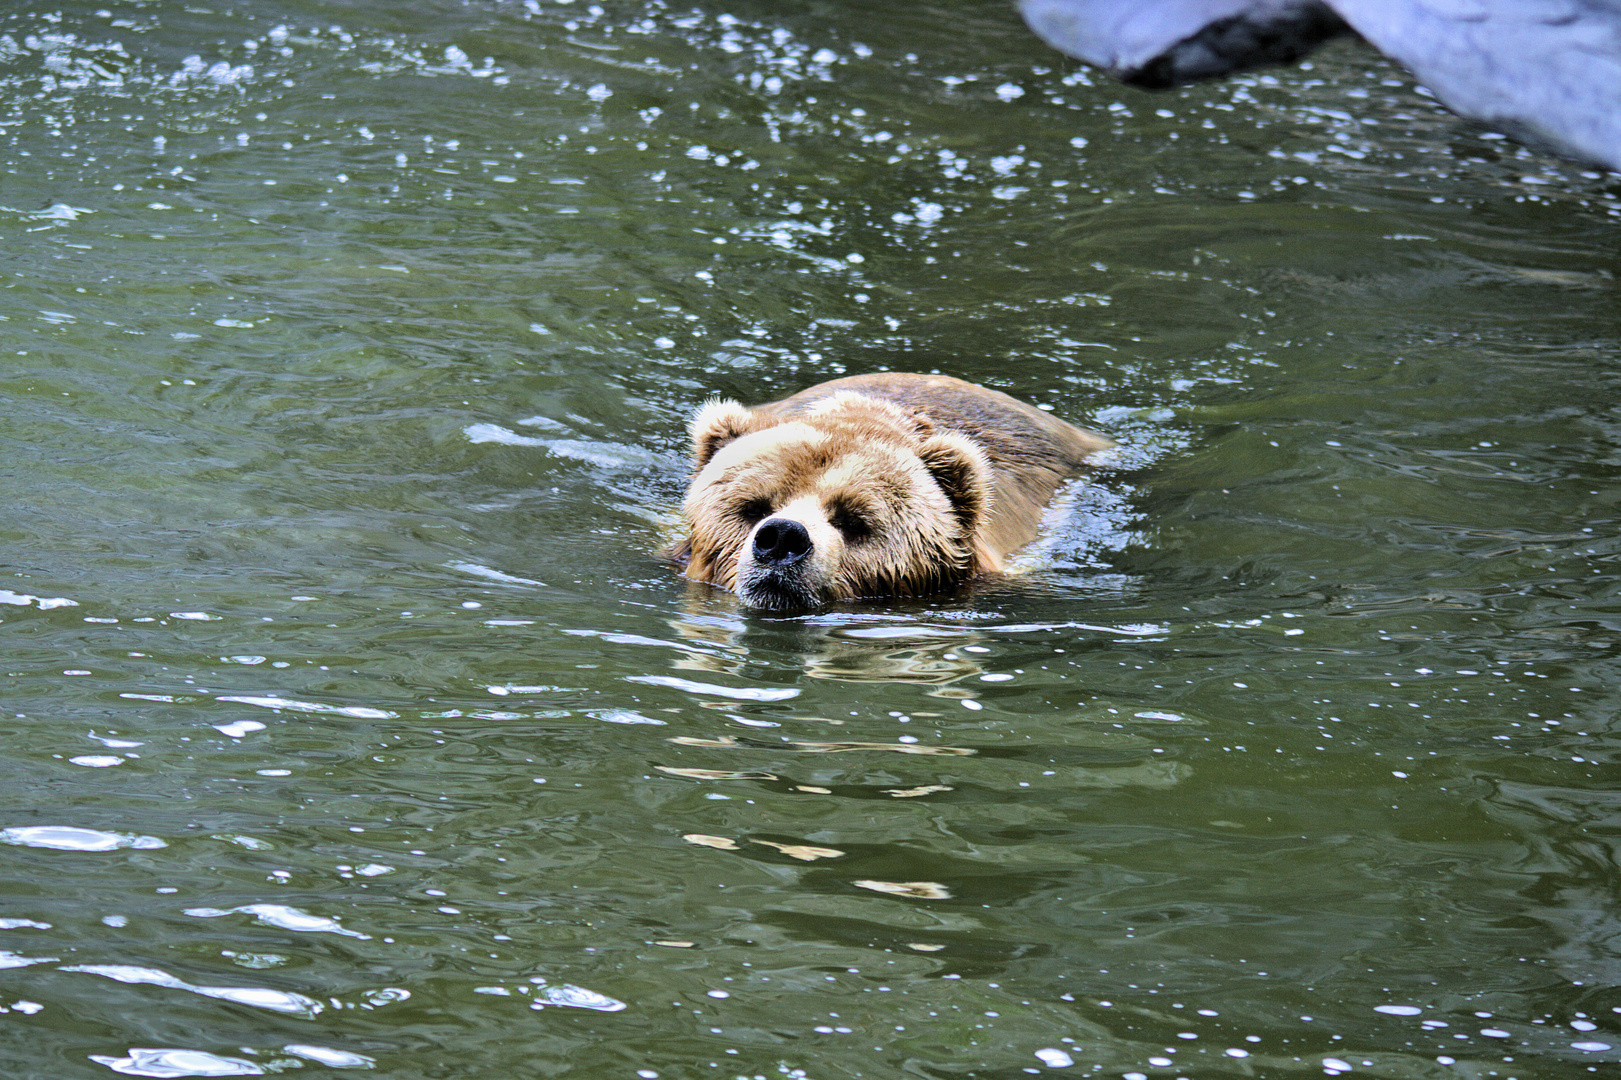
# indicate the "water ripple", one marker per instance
pixel 282 917
pixel 737 693
pixel 259 997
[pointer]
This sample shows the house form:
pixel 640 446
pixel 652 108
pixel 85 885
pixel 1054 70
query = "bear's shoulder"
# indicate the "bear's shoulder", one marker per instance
pixel 1014 434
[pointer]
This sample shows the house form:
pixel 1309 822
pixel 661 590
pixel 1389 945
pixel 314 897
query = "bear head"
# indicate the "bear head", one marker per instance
pixel 855 497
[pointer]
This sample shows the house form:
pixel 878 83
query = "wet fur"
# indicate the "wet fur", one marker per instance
pixel 906 484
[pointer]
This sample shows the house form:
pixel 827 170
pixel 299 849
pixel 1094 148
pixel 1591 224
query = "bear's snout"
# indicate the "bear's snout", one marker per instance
pixel 780 542
pixel 783 569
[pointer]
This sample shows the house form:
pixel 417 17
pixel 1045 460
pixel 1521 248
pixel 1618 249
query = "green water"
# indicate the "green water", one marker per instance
pixel 350 723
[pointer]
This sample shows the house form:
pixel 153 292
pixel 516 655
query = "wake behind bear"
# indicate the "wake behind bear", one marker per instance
pixel 872 486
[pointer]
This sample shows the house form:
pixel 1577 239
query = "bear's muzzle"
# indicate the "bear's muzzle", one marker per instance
pixel 781 570
pixel 780 542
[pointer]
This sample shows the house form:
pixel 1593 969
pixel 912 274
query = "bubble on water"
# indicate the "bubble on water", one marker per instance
pixel 223 74
pixel 1398 1010
pixel 239 728
pixel 569 996
pixel 144 1061
pixel 624 716
pixel 58 212
pixel 45 603
pixel 1054 1058
pixel 609 455
pixel 252 843
pixel 271 701
pixel 917 890
pixel 96 761
pixel 599 92
pixel 332 1059
pixel 1591 1046
pixel 495 433
pixel 69 838
pixel 387 995
pixel 260 997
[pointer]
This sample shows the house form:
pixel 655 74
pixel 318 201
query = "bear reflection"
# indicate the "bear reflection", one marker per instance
pixel 843 646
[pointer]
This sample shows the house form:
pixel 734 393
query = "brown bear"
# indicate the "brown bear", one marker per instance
pixel 875 485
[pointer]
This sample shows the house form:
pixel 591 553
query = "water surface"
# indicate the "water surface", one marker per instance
pixel 351 723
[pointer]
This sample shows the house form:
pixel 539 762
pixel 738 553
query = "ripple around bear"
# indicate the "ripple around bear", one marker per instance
pixel 875 485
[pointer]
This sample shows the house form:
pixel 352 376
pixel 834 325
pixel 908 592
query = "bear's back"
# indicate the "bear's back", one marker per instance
pixel 1030 451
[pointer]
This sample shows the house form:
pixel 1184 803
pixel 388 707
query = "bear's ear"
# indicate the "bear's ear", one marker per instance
pixel 963 472
pixel 715 425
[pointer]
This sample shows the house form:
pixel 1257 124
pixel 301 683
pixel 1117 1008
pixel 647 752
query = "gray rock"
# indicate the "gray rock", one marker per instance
pixel 1546 71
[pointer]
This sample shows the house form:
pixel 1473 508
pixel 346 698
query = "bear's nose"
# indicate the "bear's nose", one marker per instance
pixel 780 542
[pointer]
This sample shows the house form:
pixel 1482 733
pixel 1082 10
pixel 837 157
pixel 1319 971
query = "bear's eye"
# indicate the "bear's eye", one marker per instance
pixel 755 510
pixel 851 523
